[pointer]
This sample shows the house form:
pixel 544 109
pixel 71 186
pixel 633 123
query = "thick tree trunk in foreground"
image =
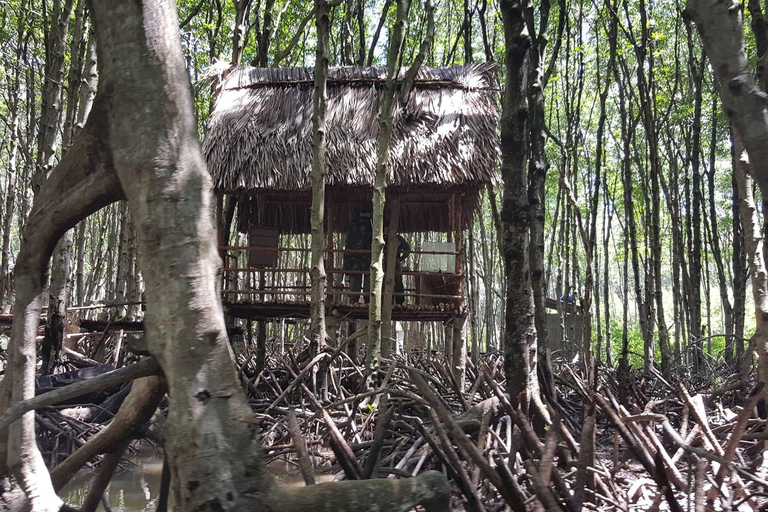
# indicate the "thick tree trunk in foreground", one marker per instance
pixel 211 443
pixel 211 440
pixel 519 339
pixel 537 170
pixel 720 25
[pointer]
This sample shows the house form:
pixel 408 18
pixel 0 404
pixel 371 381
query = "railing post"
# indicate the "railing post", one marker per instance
pixel 330 261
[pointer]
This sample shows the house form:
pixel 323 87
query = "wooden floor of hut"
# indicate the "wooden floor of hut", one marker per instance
pixel 409 312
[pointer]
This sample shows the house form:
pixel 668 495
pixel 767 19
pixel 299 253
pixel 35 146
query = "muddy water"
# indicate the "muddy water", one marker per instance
pixel 136 489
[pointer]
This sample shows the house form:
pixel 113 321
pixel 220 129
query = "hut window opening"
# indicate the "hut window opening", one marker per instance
pixel 445 263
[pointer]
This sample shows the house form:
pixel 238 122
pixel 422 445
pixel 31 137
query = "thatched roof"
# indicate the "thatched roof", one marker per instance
pixel 445 135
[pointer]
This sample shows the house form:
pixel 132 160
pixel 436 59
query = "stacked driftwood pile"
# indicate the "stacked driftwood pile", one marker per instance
pixel 664 447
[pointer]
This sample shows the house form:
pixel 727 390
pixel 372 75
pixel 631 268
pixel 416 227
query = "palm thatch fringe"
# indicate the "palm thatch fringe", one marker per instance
pixel 445 133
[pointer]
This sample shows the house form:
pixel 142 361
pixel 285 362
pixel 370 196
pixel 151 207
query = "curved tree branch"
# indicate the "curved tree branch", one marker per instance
pixel 136 410
pixel 81 184
pixel 96 384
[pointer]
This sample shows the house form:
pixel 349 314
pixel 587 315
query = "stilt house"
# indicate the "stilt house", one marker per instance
pixel 444 150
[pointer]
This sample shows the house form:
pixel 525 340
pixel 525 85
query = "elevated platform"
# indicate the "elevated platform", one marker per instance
pixel 278 310
pixel 270 282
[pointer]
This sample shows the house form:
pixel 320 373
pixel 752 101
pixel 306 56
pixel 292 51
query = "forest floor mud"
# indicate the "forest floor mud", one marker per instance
pixel 632 442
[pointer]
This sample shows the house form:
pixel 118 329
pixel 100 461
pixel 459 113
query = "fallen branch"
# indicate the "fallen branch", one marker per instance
pixel 467 447
pixel 452 461
pixel 640 452
pixel 739 428
pixel 299 377
pixel 344 455
pixel 143 368
pixel 77 357
pixel 136 411
pixel 430 490
pixel 305 464
pixel 102 478
pixel 378 440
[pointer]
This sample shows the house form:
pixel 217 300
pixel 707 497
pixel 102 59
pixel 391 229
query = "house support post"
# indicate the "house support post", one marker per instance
pixel 261 344
pixel 459 355
pixel 331 324
pixel 448 345
pixel 459 365
pixel 220 225
pixel 388 344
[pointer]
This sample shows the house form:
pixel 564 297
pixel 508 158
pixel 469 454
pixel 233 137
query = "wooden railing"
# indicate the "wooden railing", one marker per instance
pixel 289 280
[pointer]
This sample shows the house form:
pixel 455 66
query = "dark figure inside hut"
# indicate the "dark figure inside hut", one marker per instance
pixel 359 238
pixel 403 251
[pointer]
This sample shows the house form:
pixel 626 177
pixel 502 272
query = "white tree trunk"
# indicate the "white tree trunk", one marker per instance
pixel 720 25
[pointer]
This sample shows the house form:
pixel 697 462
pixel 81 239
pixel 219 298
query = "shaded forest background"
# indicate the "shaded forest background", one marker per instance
pixel 640 154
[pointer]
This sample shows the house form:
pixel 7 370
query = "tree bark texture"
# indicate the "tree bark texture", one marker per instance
pixel 140 142
pixel 388 344
pixel 81 184
pixel 720 25
pixel 537 171
pixel 211 444
pixel 317 270
pixel 519 340
pixel 240 30
pixel 211 441
pixel 755 245
pixel 397 36
pixel 50 111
